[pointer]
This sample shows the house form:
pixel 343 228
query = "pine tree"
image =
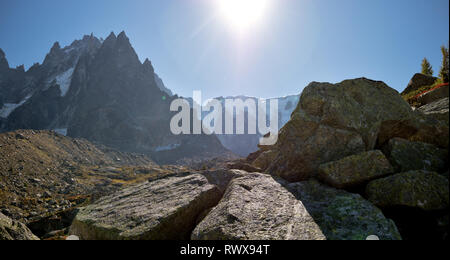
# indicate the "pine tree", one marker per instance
pixel 426 67
pixel 443 73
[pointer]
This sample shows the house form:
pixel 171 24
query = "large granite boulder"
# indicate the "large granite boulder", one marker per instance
pixel 257 207
pixel 304 144
pixel 408 156
pixel 416 189
pixel 265 159
pixel 355 169
pixel 164 209
pixel 342 215
pixel 419 80
pixel 415 127
pixel 333 121
pixel 13 230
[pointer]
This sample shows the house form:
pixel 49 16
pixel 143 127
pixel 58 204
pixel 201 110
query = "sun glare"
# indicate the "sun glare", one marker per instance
pixel 243 14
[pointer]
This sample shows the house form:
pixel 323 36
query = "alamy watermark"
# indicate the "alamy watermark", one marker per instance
pixel 208 117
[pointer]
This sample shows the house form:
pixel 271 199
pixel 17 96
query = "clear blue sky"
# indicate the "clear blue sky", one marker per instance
pixel 192 47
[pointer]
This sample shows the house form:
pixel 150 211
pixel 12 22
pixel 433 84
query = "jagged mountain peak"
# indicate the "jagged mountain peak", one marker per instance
pixel 54 55
pixel 117 42
pixel 111 35
pixel 20 68
pixel 85 41
pixel 107 95
pixel 3 61
pixel 118 51
pixel 148 66
pixel 111 39
pixel 55 47
pixel 88 37
pixel 88 44
pixel 122 35
pixel 147 62
pixel 123 41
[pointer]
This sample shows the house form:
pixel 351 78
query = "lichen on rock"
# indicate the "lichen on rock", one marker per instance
pixel 416 189
pixel 355 169
pixel 163 209
pixel 408 156
pixel 257 207
pixel 342 215
pixel 14 230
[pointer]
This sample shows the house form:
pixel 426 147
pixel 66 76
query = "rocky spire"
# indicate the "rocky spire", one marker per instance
pixel 123 42
pixel 54 54
pixel 122 37
pixel 89 44
pixel 3 62
pixel 148 67
pixel 56 47
pixel 110 40
pixel 20 68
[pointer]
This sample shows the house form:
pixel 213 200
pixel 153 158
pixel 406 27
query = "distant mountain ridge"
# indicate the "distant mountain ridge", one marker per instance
pixel 246 144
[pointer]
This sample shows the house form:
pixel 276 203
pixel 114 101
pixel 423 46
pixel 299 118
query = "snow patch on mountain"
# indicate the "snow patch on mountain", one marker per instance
pixel 61 131
pixel 8 108
pixel 167 147
pixel 63 80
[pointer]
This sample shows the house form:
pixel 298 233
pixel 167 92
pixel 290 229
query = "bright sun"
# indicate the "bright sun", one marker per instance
pixel 243 14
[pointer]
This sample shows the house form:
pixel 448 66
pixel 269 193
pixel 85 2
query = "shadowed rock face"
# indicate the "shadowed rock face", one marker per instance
pixel 164 209
pixel 355 169
pixel 257 207
pixel 13 230
pixel 342 215
pixel 438 110
pixel 418 128
pixel 415 189
pixel 304 144
pixel 434 95
pixel 408 156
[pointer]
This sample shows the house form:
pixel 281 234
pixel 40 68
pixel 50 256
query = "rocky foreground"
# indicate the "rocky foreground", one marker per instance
pixel 45 177
pixel 354 161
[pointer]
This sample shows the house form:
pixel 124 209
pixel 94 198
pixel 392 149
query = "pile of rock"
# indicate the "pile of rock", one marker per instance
pixel 232 205
pixel 360 135
pixel 13 230
pixel 351 153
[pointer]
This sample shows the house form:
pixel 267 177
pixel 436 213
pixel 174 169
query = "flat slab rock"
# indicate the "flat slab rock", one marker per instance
pixel 415 189
pixel 161 210
pixel 342 215
pixel 356 169
pixel 257 207
pixel 409 156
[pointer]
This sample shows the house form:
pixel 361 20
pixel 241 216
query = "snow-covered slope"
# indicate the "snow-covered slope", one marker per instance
pixel 63 80
pixel 8 108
